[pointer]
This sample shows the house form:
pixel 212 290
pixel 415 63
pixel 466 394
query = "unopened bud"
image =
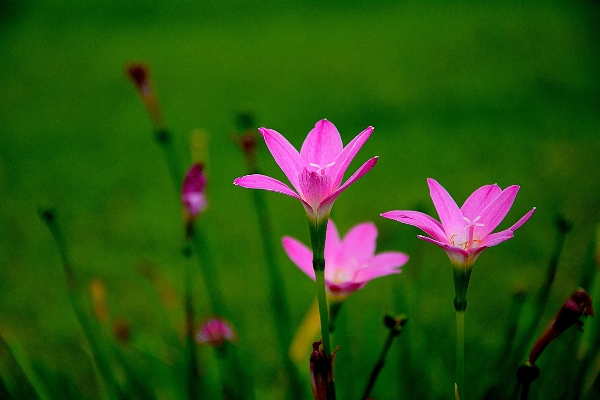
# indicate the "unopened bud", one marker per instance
pixel 140 76
pixel 580 303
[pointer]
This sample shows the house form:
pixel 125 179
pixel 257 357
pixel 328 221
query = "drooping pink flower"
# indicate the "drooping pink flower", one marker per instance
pixel 215 331
pixel 193 197
pixel 316 172
pixel 349 263
pixel 464 232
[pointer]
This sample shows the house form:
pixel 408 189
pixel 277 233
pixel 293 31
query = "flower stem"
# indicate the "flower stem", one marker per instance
pixel 462 276
pixel 460 352
pixel 165 140
pixel 318 229
pixel 395 326
pixel 90 328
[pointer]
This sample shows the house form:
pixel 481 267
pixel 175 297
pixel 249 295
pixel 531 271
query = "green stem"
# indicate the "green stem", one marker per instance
pixel 462 276
pixel 165 140
pixel 395 327
pixel 91 330
pixel 209 273
pixel 192 367
pixel 460 352
pixel 318 230
pixel 323 313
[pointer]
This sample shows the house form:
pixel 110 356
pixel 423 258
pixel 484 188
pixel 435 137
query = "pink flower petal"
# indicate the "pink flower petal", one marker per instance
pixel 358 244
pixel 494 213
pixel 381 265
pixel 314 187
pixel 449 213
pixel 300 255
pixel 496 238
pixel 258 181
pixel 422 221
pixel 445 246
pixel 327 203
pixel 285 155
pixel 480 198
pixel 322 144
pixel 523 219
pixel 347 155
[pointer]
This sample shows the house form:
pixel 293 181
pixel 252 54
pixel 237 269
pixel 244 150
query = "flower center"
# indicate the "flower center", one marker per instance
pixel 320 169
pixel 468 241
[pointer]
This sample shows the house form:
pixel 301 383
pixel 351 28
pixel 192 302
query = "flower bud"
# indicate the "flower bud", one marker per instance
pixel 580 303
pixel 140 76
pixel 193 197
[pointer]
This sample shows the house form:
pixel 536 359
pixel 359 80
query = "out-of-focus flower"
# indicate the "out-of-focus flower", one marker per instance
pixel 122 330
pixel 349 263
pixel 98 294
pixel 580 303
pixel 316 172
pixel 321 371
pixel 193 196
pixel 215 331
pixel 464 232
pixel 140 76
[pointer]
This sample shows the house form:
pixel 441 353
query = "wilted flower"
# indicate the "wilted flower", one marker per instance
pixel 580 303
pixel 215 331
pixel 464 232
pixel 316 172
pixel 321 371
pixel 349 263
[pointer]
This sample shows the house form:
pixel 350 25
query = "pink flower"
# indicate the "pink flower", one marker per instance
pixel 215 331
pixel 316 172
pixel 193 198
pixel 464 232
pixel 349 263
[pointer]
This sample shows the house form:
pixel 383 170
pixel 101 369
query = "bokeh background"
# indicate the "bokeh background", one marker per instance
pixel 469 93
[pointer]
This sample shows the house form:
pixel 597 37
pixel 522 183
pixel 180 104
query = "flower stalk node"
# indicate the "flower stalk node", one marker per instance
pixel 395 324
pixel 527 373
pixel 163 137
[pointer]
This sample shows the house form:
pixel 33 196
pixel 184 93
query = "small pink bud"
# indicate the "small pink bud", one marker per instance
pixel 580 303
pixel 215 331
pixel 193 197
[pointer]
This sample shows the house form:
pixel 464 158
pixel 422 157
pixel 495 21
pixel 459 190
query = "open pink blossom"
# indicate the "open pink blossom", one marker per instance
pixel 215 331
pixel 316 172
pixel 464 232
pixel 349 263
pixel 193 197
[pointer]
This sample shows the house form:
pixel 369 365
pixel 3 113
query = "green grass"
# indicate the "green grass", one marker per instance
pixel 468 94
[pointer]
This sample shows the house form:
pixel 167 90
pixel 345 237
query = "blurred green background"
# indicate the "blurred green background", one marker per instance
pixel 469 93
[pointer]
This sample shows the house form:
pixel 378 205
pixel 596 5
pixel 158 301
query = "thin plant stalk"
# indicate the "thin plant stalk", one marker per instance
pixel 460 353
pixel 192 358
pixel 317 235
pixel 562 227
pixel 462 276
pixel 99 352
pixel 205 259
pixel 395 325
